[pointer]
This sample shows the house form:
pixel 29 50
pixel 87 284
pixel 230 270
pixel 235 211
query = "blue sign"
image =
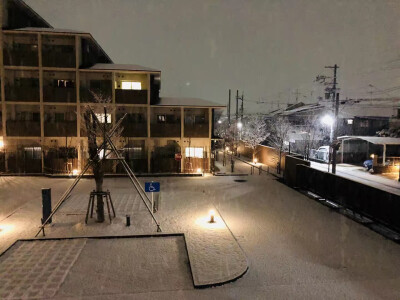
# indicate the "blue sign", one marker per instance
pixel 152 187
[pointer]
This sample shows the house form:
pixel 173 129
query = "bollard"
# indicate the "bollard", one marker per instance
pixel 46 205
pixel 232 165
pixel 128 220
pixel 259 170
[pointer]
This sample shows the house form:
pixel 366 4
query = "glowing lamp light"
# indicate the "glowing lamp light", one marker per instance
pixel 255 160
pixel 199 170
pixel 212 215
pixel 227 148
pixel 327 120
pixel 219 121
pixel 74 172
pixel 239 125
pixel 372 155
pixel 1 144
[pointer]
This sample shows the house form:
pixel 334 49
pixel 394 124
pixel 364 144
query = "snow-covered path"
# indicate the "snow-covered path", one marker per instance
pixel 296 248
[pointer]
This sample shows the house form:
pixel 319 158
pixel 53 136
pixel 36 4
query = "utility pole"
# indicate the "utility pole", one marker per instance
pixel 241 109
pixel 335 106
pixel 229 108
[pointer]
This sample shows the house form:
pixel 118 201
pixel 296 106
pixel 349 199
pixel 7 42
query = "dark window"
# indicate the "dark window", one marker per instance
pixel 36 117
pixel 59 117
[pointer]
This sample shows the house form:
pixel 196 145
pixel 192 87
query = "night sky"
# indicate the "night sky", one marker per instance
pixel 269 49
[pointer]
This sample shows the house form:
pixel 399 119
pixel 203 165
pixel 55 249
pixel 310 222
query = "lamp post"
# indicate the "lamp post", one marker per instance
pixel 328 121
pixel 239 126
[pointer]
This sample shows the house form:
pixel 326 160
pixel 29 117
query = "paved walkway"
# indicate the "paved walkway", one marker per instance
pixel 296 248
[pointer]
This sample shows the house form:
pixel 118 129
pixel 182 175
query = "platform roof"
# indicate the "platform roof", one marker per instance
pixel 372 139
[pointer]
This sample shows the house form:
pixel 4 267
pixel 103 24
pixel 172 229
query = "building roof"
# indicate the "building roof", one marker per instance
pixel 55 30
pixel 122 67
pixel 26 12
pixel 196 102
pixel 373 139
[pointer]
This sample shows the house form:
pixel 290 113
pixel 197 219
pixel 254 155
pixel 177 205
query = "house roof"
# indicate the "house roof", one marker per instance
pixel 196 102
pixel 30 13
pixel 122 67
pixel 372 139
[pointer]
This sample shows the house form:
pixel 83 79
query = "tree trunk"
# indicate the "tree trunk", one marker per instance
pixel 98 177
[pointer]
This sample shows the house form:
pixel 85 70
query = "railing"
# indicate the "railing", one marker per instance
pixel 55 94
pixel 25 94
pixel 131 96
pixel 20 58
pixel 23 128
pixel 65 128
pixel 134 129
pixel 165 130
pixel 61 56
pixel 199 130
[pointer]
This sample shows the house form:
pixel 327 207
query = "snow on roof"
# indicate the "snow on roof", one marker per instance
pixel 172 101
pixel 122 67
pixel 305 107
pixel 373 139
pixel 55 30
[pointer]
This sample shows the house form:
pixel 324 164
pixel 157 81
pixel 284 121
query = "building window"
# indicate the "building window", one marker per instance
pixel 33 152
pixel 101 118
pixel 131 85
pixel 195 152
pixel 134 153
pixel 349 121
pixel 364 123
pixel 59 117
pixel 161 118
pixel 64 83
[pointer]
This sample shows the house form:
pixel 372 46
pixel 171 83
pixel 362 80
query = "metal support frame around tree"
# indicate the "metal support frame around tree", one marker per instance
pixel 130 173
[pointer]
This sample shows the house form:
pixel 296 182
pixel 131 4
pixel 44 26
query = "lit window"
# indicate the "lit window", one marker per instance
pixel 350 121
pixel 131 85
pixel 161 118
pixel 100 117
pixel 194 152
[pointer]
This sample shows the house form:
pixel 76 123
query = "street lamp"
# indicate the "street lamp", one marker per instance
pixel 328 120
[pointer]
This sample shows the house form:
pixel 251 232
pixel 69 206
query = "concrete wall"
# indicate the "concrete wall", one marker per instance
pixel 291 163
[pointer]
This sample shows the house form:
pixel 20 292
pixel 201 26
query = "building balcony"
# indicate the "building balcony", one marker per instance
pixel 86 96
pixel 197 131
pixel 134 129
pixel 23 128
pixel 58 56
pixel 165 130
pixel 131 96
pixel 56 94
pixel 20 58
pixel 63 128
pixel 23 94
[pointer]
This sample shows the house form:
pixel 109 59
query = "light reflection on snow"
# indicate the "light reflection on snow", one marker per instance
pixel 4 228
pixel 204 222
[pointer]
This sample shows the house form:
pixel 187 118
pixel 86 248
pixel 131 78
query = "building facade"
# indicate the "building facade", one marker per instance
pixel 48 78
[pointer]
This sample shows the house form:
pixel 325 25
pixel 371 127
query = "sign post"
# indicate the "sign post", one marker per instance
pixel 152 187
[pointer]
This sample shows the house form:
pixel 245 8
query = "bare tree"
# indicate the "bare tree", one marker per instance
pixel 254 132
pixel 279 128
pixel 311 134
pixel 103 110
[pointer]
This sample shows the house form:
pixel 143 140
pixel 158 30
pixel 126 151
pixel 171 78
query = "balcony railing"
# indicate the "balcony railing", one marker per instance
pixel 165 130
pixel 14 57
pixel 198 130
pixel 134 129
pixel 64 128
pixel 23 128
pixel 55 94
pixel 86 96
pixel 26 94
pixel 131 96
pixel 60 56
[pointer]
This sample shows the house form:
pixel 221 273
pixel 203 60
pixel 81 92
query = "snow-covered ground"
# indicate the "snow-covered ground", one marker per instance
pixel 359 174
pixel 295 247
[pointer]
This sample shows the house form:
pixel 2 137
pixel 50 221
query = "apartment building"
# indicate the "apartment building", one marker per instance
pixel 49 76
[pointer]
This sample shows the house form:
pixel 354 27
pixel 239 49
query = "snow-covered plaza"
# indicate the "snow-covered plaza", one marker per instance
pixel 292 246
